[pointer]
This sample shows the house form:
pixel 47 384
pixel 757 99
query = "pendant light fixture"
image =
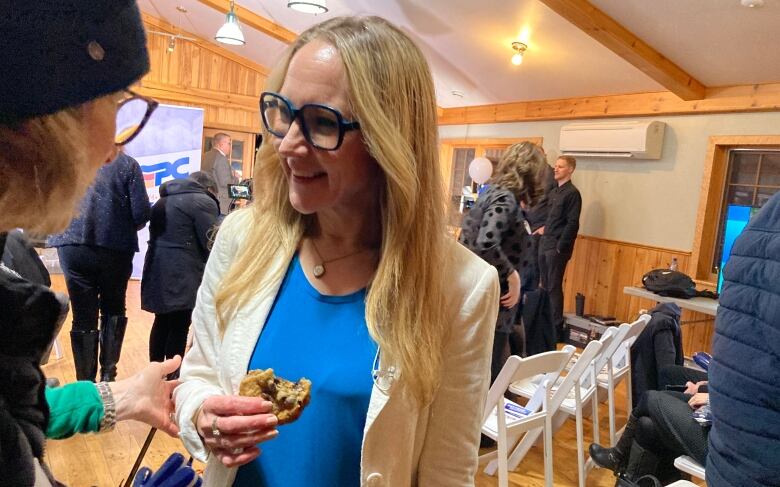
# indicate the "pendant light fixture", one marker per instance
pixel 230 33
pixel 519 48
pixel 309 6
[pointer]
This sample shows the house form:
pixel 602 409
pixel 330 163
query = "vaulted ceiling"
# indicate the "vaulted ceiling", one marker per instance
pixel 467 42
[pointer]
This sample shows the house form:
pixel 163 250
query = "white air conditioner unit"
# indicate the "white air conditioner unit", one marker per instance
pixel 636 139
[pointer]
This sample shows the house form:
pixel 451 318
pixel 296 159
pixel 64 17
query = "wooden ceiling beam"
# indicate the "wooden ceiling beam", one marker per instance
pixel 257 22
pixel 729 99
pixel 625 44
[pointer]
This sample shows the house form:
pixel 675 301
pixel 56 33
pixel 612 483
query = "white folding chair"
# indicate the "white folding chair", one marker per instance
pixel 616 365
pixel 571 405
pixel 506 421
pixel 690 466
pixel 574 380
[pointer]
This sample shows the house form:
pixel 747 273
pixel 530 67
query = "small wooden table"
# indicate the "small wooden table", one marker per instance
pixel 707 306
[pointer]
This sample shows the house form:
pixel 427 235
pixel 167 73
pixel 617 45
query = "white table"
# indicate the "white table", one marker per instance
pixel 707 306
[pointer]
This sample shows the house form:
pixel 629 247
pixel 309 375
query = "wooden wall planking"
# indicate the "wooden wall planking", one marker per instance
pixel 601 268
pixel 201 74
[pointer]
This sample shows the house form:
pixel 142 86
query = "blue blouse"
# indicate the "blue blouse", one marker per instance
pixel 325 339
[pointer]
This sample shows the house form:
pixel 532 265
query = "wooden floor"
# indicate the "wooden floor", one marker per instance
pixel 104 460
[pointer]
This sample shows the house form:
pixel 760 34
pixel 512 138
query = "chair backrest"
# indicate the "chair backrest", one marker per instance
pixel 635 329
pixel 608 348
pixel 516 369
pixel 581 367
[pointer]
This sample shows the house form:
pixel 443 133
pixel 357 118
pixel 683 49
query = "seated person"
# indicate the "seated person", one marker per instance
pixel 659 345
pixel 661 428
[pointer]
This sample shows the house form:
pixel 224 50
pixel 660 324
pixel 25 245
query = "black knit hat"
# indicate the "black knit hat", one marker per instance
pixel 61 53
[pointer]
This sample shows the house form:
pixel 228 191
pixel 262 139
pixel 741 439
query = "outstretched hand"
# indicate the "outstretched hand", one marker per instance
pixel 146 396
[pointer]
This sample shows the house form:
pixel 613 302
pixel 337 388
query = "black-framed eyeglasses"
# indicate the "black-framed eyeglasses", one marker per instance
pixel 322 126
pixel 132 114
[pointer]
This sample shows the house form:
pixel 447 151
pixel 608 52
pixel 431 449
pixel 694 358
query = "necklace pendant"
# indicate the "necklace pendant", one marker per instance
pixel 319 270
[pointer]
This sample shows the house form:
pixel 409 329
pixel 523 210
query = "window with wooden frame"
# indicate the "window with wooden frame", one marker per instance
pixel 741 172
pixel 456 154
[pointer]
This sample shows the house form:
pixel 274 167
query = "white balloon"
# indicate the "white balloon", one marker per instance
pixel 480 170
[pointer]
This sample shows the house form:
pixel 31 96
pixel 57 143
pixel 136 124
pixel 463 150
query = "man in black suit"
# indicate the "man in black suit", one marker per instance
pixel 558 235
pixel 217 165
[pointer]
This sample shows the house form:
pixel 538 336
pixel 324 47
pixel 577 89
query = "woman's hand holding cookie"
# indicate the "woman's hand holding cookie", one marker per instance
pixel 232 426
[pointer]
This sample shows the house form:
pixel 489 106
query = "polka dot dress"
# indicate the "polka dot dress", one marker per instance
pixel 494 229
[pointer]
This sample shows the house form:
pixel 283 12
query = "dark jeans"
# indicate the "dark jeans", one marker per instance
pixel 96 278
pixel 169 335
pixel 667 428
pixel 552 266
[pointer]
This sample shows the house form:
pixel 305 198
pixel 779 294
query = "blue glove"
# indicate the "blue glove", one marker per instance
pixel 175 472
pixel 702 359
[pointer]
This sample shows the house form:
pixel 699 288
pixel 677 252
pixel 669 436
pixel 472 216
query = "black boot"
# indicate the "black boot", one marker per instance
pixel 641 462
pixel 616 458
pixel 85 353
pixel 112 333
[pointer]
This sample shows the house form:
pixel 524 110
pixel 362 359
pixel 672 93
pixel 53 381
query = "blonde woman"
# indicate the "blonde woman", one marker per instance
pixel 60 91
pixel 343 274
pixel 495 230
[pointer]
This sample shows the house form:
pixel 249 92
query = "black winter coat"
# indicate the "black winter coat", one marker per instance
pixel 659 345
pixel 28 323
pixel 178 246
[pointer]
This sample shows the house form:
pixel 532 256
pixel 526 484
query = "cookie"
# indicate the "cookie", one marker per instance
pixel 288 398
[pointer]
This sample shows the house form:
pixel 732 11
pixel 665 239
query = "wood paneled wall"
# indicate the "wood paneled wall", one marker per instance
pixel 600 268
pixel 201 74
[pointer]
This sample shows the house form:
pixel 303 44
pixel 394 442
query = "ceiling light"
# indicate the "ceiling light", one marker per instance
pixel 457 93
pixel 519 49
pixel 309 6
pixel 230 32
pixel 752 3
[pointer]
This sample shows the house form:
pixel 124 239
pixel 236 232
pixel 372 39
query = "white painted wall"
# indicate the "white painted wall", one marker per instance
pixel 647 202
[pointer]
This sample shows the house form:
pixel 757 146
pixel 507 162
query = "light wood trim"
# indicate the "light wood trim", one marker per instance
pixel 625 44
pixel 711 200
pixel 164 26
pixel 729 99
pixel 257 22
pixel 470 142
pixel 198 95
pixel 626 243
pixel 600 268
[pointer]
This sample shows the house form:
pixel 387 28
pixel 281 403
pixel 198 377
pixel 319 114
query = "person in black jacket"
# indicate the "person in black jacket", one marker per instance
pixel 179 231
pixel 558 234
pixel 657 347
pixel 96 255
pixel 659 429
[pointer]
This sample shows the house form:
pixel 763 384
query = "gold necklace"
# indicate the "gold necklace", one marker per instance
pixel 319 269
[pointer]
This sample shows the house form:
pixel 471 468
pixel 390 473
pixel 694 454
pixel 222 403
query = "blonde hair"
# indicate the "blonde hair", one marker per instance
pixel 570 160
pixel 391 94
pixel 44 169
pixel 518 171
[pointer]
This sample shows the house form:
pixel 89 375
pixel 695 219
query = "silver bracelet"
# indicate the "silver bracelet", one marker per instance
pixel 109 407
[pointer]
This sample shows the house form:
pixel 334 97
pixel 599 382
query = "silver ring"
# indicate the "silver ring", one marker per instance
pixel 237 451
pixel 214 430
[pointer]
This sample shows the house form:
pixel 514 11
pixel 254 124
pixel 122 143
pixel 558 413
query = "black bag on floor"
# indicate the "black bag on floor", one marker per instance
pixel 675 284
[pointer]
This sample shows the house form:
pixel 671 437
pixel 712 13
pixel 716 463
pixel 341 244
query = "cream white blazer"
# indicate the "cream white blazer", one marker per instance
pixel 402 445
